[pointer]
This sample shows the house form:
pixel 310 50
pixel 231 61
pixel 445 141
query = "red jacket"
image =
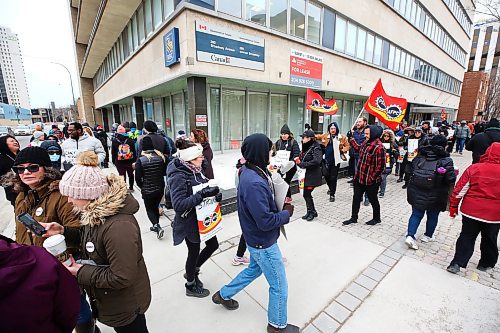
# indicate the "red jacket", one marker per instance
pixel 478 188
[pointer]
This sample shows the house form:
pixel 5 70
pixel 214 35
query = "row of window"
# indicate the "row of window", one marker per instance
pixel 417 15
pixel 459 12
pixel 301 18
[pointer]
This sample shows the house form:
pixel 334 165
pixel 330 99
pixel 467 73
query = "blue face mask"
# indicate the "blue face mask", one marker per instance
pixel 54 157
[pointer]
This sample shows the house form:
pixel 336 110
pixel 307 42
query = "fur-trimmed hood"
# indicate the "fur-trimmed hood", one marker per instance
pixel 115 200
pixel 391 135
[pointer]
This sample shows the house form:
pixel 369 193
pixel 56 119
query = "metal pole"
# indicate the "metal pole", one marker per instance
pixel 70 81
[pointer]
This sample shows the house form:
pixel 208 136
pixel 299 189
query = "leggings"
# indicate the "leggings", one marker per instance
pixel 151 205
pixel 126 169
pixel 195 258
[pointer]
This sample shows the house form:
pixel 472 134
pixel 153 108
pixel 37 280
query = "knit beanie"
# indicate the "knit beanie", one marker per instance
pixel 84 180
pixel 190 153
pixel 33 155
pixel 285 129
pixel 150 126
pixel 121 129
pixel 37 134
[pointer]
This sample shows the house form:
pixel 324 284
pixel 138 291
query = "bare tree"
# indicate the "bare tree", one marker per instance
pixel 490 9
pixel 492 102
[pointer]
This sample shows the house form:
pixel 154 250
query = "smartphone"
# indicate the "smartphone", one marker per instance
pixel 30 223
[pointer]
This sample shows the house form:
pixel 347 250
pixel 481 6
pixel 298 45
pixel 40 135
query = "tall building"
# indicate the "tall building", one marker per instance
pixel 485 49
pixel 13 86
pixel 238 67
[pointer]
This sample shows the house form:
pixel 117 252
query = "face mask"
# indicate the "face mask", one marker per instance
pixel 54 158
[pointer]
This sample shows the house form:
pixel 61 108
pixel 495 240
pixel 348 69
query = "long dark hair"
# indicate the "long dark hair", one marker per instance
pixel 4 148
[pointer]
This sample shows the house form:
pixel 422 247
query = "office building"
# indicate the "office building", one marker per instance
pixel 234 68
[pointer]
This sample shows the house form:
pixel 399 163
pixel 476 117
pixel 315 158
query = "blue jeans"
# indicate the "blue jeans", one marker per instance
pixel 460 144
pixel 416 217
pixel 383 184
pixel 270 262
pixel 85 313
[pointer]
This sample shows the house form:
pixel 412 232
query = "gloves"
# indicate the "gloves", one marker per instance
pixel 453 211
pixel 218 197
pixel 349 134
pixel 209 191
pixel 289 208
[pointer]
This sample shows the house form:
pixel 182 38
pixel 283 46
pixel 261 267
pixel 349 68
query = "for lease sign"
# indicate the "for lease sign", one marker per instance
pixel 306 70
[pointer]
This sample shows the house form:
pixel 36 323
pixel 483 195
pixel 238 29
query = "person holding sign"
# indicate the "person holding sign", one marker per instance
pixel 260 220
pixel 287 149
pixel 335 151
pixel 184 175
pixel 415 142
pixel 391 153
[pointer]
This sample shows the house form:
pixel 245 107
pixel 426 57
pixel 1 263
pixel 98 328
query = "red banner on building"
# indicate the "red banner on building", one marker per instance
pixel 389 110
pixel 315 102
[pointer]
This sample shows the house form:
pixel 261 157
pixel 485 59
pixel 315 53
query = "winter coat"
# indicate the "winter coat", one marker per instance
pixel 391 153
pixel 290 145
pixel 45 204
pixel 462 132
pixel 480 142
pixel 111 237
pixel 71 148
pixel 37 293
pixel 311 161
pixel 434 199
pixel 180 182
pixel 159 144
pixel 150 173
pixel 478 188
pixel 53 146
pixel 103 137
pixel 208 154
pixel 259 217
pixel 6 163
pixel 371 162
pixel 118 140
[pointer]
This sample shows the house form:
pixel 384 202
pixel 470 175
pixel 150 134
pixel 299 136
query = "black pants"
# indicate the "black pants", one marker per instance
pixel 242 247
pixel 196 258
pixel 151 204
pixel 331 180
pixel 402 168
pixel 465 242
pixel 371 191
pixel 126 169
pixel 288 179
pixel 137 326
pixel 309 199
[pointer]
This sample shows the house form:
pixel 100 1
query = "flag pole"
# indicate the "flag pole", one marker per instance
pixel 359 115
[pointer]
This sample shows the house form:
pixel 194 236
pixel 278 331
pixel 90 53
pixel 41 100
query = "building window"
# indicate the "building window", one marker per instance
pixel 278 13
pixel 257 117
pixel 279 115
pixel 148 17
pixel 168 7
pixel 231 7
pixel 340 32
pixel 157 16
pixel 313 22
pixel 256 11
pixel 140 24
pixel 360 47
pixel 135 37
pixel 351 38
pixel 328 28
pixel 297 18
pixel 370 43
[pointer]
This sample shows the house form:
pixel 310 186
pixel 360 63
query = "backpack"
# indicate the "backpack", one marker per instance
pixel 124 152
pixel 424 174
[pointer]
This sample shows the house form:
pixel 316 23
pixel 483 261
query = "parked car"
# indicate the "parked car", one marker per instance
pixel 22 130
pixel 4 130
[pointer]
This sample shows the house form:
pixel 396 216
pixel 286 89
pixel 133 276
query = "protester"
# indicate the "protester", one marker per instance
pixel 371 165
pixel 240 258
pixel 310 159
pixel 426 128
pixel 87 129
pixel 199 136
pixel 123 155
pixel 479 194
pixel 9 148
pixel 358 133
pixel 484 139
pixel 38 138
pixel 462 133
pixel 38 293
pixel 423 141
pixel 479 127
pixel 403 147
pixel 57 132
pixel 112 272
pixel 65 130
pixel 260 221
pixel 335 151
pixel 391 153
pixel 183 174
pixel 54 150
pixel 150 175
pixel 101 135
pixel 134 132
pixel 181 134
pixel 287 142
pixel 79 141
pixel 159 143
pixel 432 173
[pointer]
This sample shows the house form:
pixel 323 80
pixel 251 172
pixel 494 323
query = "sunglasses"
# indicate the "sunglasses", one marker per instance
pixel 53 152
pixel 31 168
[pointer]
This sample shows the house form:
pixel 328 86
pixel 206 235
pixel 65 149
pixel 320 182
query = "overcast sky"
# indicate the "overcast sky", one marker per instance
pixel 44 31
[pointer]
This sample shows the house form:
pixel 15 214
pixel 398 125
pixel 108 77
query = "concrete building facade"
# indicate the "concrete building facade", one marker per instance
pixel 13 85
pixel 237 67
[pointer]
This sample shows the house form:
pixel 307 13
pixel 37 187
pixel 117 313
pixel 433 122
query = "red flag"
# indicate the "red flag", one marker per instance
pixel 443 115
pixel 316 103
pixel 389 110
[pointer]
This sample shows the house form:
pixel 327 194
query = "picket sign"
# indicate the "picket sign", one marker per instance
pixel 412 149
pixel 387 155
pixel 301 175
pixel 401 156
pixel 282 157
pixel 208 215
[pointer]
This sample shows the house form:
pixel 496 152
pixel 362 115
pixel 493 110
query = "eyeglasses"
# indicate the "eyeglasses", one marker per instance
pixel 31 168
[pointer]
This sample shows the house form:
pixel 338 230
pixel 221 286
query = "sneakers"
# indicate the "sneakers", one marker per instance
pixel 159 231
pixel 373 222
pixel 412 243
pixel 427 239
pixel 240 261
pixel 195 290
pixel 229 304
pixel 332 198
pixel 381 195
pixel 482 268
pixel 288 329
pixel 453 268
pixel 350 221
pixel 366 202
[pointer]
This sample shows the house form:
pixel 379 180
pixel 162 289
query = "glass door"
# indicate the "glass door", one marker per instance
pixel 296 122
pixel 279 115
pixel 233 109
pixel 258 104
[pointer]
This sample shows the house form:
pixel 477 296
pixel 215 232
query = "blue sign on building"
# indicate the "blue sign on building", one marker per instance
pixel 171 47
pixel 11 112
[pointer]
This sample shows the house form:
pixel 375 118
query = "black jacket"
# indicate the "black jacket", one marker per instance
pixel 436 198
pixel 158 142
pixel 480 142
pixel 311 161
pixel 290 145
pixel 116 142
pixel 6 163
pixel 149 174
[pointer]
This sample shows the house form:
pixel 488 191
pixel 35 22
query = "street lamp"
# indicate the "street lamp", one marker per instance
pixel 70 80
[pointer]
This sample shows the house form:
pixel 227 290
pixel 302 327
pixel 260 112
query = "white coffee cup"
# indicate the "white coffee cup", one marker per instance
pixel 56 245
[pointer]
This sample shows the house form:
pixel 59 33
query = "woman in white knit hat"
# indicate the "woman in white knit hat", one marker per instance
pixel 114 274
pixel 183 173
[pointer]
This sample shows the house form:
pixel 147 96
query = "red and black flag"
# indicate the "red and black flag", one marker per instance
pixel 315 102
pixel 389 110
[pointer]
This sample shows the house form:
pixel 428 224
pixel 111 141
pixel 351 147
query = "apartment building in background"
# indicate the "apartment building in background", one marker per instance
pixel 236 67
pixel 13 85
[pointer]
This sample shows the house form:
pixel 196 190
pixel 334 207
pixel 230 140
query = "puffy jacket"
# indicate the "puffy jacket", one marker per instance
pixel 180 182
pixel 118 140
pixel 478 188
pixel 149 174
pixel 462 131
pixel 434 199
pixel 259 217
pixel 37 293
pixel 480 142
pixel 111 237
pixel 71 148
pixel 311 161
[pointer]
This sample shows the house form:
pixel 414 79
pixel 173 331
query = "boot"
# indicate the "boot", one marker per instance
pixel 229 304
pixel 313 213
pixel 195 290
pixel 305 217
pixel 308 205
pixel 332 198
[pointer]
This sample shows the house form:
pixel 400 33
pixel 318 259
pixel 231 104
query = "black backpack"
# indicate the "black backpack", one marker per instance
pixel 424 174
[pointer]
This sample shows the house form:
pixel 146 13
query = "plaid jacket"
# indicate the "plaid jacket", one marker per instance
pixel 371 163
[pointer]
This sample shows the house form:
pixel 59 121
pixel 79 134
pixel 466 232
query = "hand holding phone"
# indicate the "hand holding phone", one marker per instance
pixel 31 224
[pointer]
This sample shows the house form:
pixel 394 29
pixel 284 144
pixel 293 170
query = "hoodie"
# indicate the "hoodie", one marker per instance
pixel 71 148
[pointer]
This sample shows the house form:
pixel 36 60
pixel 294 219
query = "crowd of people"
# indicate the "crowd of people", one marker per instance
pixel 58 180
